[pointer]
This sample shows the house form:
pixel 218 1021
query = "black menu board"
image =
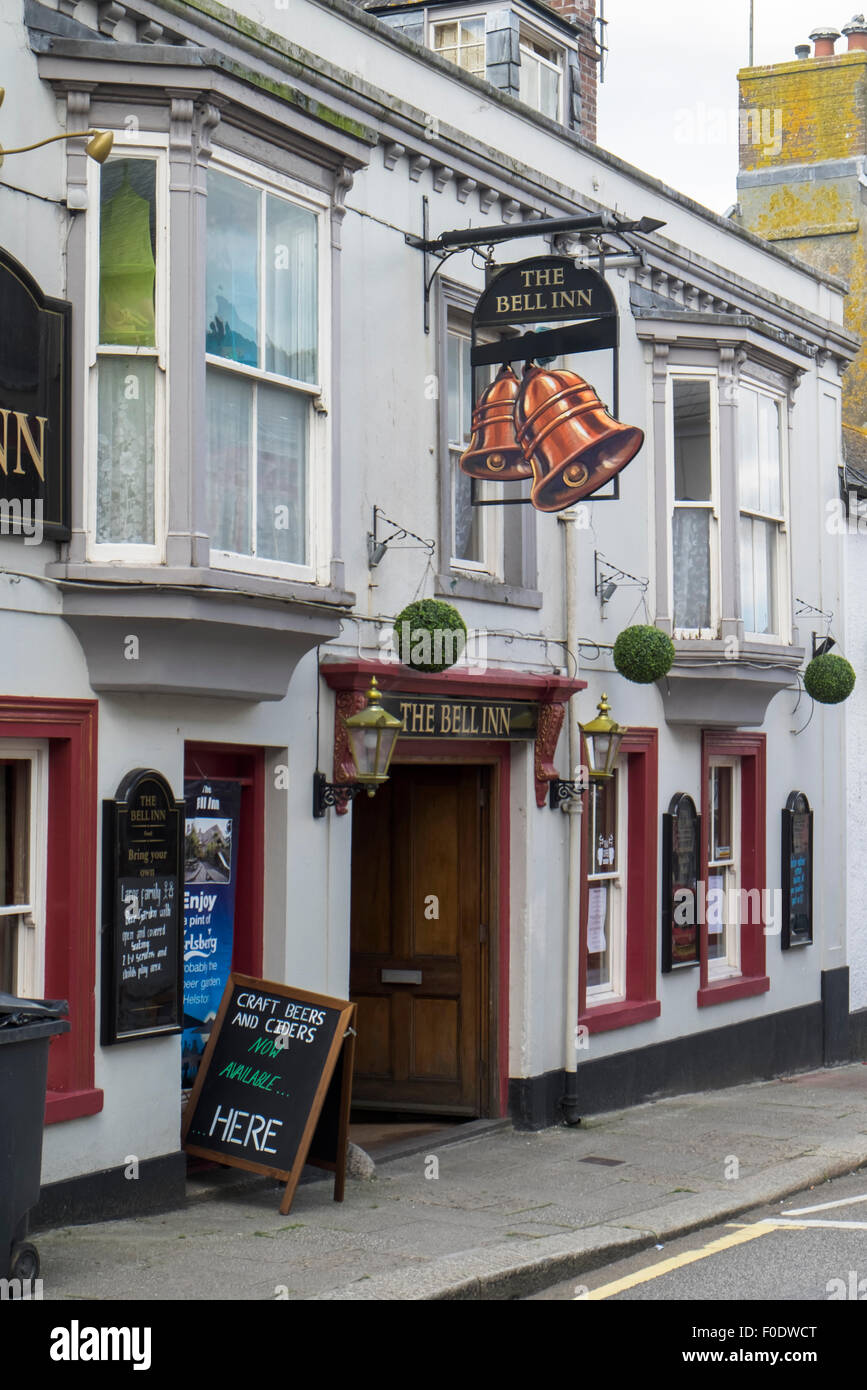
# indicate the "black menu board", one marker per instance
pixel 797 872
pixel 681 860
pixel 142 909
pixel 273 1089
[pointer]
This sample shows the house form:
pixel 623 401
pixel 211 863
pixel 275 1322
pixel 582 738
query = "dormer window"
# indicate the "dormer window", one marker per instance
pixel 462 41
pixel 541 75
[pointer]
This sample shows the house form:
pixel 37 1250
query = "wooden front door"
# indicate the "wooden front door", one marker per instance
pixel 419 932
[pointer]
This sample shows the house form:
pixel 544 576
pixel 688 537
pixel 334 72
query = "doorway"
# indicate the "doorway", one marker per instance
pixel 421 942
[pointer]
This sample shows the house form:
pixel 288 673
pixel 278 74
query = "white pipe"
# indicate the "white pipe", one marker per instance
pixel 575 807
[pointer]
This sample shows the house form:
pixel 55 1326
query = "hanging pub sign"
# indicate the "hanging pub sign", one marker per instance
pixel 34 407
pixel 141 910
pixel 797 872
pixel 549 425
pixel 274 1087
pixel 437 716
pixel 212 810
pixel 681 860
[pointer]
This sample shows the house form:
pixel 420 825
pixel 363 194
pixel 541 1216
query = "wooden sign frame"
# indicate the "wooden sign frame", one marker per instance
pixel 335 1087
pixel 796 805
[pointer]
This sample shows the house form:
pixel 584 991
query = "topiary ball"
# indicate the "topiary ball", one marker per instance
pixel 429 635
pixel 829 679
pixel 642 654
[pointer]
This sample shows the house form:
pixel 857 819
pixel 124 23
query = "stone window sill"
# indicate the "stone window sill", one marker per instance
pixel 460 585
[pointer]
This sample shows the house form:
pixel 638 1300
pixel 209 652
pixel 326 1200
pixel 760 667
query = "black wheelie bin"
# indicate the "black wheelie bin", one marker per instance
pixel 26 1029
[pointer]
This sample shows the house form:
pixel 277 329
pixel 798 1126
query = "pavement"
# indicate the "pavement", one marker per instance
pixel 481 1211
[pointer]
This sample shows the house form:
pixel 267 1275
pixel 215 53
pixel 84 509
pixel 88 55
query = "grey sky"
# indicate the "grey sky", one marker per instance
pixel 670 96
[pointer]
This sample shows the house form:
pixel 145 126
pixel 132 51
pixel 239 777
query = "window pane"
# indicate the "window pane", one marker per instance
pixel 229 404
pixel 770 499
pixel 692 471
pixel 748 449
pixel 549 92
pixel 291 324
pixel 14 832
pixel 232 287
pixel 758 543
pixel 599 905
pixel 281 505
pixel 721 813
pixel 691 568
pixel 468 519
pixel 125 451
pixel 127 242
pixel 604 844
pixel 528 84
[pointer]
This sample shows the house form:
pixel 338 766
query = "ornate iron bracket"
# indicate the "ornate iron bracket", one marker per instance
pixel 327 795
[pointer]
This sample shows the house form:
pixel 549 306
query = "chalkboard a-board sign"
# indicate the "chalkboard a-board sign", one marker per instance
pixel 797 873
pixel 142 892
pixel 681 858
pixel 273 1089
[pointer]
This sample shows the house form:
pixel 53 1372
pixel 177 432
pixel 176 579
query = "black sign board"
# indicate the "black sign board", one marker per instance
pixel 142 903
pixel 273 1089
pixel 34 406
pixel 436 716
pixel 797 872
pixel 681 861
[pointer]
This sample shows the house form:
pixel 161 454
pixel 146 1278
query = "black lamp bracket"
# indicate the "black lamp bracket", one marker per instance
pixel 328 794
pixel 566 796
pixel 377 545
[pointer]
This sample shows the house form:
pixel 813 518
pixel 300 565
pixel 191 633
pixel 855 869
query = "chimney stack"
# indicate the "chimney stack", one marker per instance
pixel 856 32
pixel 802 50
pixel 824 40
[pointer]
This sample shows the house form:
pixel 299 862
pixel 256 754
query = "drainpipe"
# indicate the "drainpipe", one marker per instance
pixel 569 1102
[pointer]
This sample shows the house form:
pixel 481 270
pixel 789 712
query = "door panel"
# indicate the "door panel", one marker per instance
pixel 417 905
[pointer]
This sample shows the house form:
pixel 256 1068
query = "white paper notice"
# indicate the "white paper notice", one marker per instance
pixel 715 904
pixel 596 914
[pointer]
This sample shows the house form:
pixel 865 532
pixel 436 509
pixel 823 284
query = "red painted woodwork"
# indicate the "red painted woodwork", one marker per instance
pixel 70 727
pixel 640 747
pixel 244 764
pixel 551 691
pixel 752 751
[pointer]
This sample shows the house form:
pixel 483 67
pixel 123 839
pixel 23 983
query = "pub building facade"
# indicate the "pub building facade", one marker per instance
pixel 261 393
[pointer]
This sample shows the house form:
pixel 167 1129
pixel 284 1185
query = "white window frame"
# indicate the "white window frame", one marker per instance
pixel 441 20
pixel 713 506
pixel 30 966
pixel 318 529
pixel 490 518
pixel 151 147
pixel 529 37
pixel 728 965
pixel 615 991
pixel 782 596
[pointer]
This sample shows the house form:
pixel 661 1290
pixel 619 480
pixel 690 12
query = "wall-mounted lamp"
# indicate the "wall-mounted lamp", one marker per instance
pixel 372 735
pixel 602 739
pixel 98 146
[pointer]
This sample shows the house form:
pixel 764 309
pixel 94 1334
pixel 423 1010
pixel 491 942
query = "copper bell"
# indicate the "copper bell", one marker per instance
pixel 573 444
pixel 494 452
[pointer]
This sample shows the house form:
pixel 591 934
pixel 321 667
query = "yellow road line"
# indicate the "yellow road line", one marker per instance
pixel 629 1281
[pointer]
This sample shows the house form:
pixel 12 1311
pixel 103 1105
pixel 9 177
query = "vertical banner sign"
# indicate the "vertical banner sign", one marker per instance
pixel 141 910
pixel 210 877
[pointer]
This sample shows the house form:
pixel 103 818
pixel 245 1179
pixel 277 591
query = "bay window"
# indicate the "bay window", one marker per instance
pixel 762 517
pixel 263 372
pixel 694 524
pixel 128 362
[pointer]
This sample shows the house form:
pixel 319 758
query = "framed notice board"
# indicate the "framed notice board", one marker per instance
pixel 142 905
pixel 273 1089
pixel 681 860
pixel 797 873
